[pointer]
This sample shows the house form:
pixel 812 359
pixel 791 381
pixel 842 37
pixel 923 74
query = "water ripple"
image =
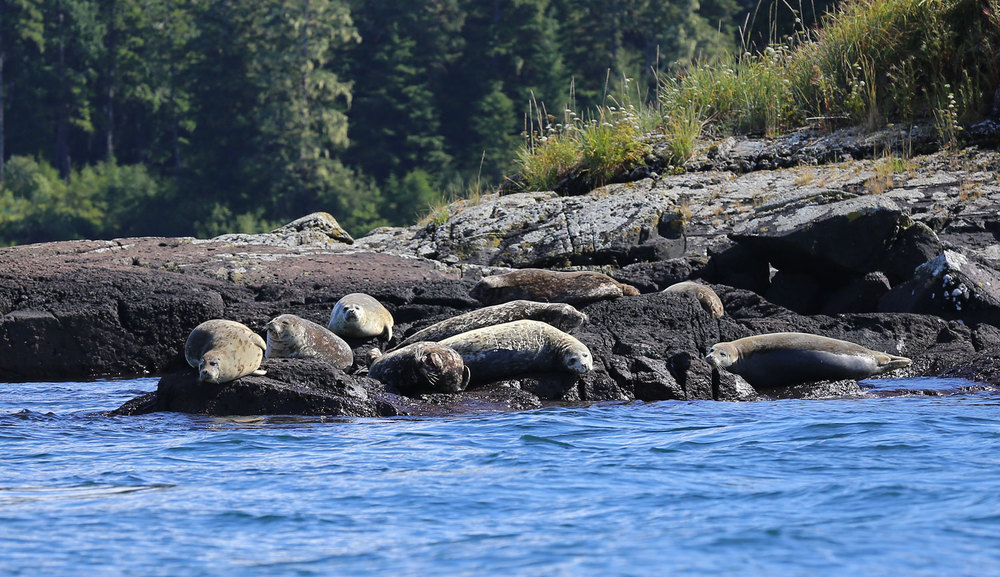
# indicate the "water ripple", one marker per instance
pixel 877 486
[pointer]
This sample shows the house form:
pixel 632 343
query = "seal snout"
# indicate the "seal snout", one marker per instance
pixel 208 371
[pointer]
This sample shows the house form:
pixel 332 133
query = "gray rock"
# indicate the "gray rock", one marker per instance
pixel 953 285
pixel 850 237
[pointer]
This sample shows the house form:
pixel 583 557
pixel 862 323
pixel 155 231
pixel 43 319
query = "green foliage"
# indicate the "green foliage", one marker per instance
pixel 598 148
pixel 872 61
pixel 132 116
pixel 610 144
pixel 101 201
pixel 547 160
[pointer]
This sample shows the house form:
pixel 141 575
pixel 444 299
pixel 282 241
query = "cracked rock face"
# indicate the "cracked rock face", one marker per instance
pixel 622 224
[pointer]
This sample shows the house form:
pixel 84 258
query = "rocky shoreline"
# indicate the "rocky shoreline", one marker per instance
pixel 898 254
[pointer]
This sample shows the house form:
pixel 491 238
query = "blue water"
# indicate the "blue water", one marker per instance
pixel 906 485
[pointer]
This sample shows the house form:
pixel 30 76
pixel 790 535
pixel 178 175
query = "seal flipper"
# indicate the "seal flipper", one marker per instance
pixel 887 362
pixel 259 373
pixel 466 377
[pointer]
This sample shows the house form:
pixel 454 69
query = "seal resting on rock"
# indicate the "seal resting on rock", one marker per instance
pixel 224 351
pixel 560 315
pixel 422 367
pixel 704 293
pixel 536 284
pixel 291 336
pixel 784 359
pixel 358 315
pixel 525 346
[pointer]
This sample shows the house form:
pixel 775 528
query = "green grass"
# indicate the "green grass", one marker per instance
pixel 869 63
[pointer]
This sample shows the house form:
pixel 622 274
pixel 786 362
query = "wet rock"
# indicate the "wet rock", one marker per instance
pixel 291 387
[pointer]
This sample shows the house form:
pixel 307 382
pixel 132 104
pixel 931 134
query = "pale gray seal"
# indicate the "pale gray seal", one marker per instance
pixel 536 284
pixel 358 315
pixel 525 346
pixel 783 359
pixel 290 336
pixel 224 351
pixel 560 315
pixel 422 367
pixel 704 293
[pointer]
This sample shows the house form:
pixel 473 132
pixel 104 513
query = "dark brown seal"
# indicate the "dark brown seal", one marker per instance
pixel 784 359
pixel 535 284
pixel 224 351
pixel 290 336
pixel 422 367
pixel 509 349
pixel 560 315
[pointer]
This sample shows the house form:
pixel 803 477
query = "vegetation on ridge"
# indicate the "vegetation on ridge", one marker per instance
pixel 869 63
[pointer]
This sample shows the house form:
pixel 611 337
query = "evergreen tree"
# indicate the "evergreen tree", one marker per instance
pixel 75 36
pixel 21 32
pixel 398 71
pixel 300 115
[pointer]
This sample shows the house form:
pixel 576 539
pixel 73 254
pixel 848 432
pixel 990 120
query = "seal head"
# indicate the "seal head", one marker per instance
pixel 224 350
pixel 422 367
pixel 358 315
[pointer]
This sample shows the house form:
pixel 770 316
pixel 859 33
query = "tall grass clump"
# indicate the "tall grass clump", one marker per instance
pixel 595 148
pixel 869 62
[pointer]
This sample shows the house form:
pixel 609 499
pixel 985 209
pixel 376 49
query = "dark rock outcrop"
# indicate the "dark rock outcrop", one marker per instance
pixel 845 250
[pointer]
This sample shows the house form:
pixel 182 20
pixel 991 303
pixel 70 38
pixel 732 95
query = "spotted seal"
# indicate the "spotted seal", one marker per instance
pixel 358 315
pixel 704 293
pixel 536 284
pixel 560 315
pixel 422 367
pixel 291 336
pixel 516 347
pixel 784 359
pixel 224 351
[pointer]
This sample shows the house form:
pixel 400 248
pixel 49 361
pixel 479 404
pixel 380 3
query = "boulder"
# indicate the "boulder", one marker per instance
pixel 954 286
pixel 846 238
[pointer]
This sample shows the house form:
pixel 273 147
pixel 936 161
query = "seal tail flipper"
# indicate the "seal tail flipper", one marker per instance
pixel 466 377
pixel 259 373
pixel 887 362
pixel 259 341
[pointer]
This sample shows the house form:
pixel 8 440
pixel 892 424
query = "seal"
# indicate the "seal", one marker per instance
pixel 525 346
pixel 536 284
pixel 560 315
pixel 422 367
pixel 704 293
pixel 358 315
pixel 224 351
pixel 290 336
pixel 784 359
